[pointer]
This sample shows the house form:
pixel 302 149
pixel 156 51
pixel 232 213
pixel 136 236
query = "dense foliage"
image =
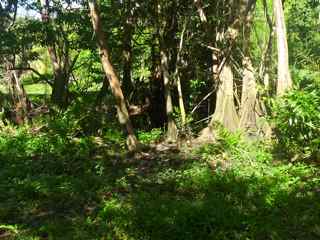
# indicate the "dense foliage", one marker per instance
pixel 87 188
pixel 180 119
pixel 297 119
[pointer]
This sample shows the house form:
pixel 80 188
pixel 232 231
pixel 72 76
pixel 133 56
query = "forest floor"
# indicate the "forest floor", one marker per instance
pixel 56 187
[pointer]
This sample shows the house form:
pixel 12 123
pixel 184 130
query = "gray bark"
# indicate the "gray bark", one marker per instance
pixel 225 112
pixel 284 78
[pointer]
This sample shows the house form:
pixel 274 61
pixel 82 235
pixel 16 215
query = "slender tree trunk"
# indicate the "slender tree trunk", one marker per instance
pixel 202 15
pixel 284 78
pixel 157 110
pixel 102 93
pixel 177 76
pixel 166 38
pixel 127 48
pixel 172 128
pixel 266 59
pixel 206 134
pixel 181 103
pixel 18 95
pixel 114 82
pixel 248 112
pixel 59 88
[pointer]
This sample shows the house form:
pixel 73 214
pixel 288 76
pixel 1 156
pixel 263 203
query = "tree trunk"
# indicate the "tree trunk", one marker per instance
pixel 157 111
pixel 102 93
pixel 18 96
pixel 225 112
pixel 114 82
pixel 177 76
pixel 127 48
pixel 202 15
pixel 166 35
pixel 266 59
pixel 172 128
pixel 248 113
pixel 59 87
pixel 181 103
pixel 284 78
pixel 206 134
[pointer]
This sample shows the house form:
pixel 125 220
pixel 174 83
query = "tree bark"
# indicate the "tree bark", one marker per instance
pixel 157 111
pixel 248 111
pixel 284 78
pixel 112 77
pixel 166 39
pixel 127 47
pixel 59 87
pixel 172 128
pixel 266 59
pixel 18 95
pixel 202 15
pixel 177 76
pixel 225 112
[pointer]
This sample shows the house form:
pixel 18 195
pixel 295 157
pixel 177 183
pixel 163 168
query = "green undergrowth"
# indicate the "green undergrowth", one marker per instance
pixel 57 185
pixel 150 137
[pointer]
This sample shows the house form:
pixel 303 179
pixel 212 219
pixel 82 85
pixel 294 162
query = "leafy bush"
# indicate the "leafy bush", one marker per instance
pixel 81 118
pixel 235 149
pixel 152 136
pixel 297 120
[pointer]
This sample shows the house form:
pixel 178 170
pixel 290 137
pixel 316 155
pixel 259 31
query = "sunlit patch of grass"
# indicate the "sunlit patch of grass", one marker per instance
pixel 38 89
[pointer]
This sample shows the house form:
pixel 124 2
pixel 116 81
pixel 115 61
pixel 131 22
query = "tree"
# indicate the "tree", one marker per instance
pixel 112 77
pixel 59 89
pixel 9 57
pixel 60 42
pixel 225 110
pixel 128 30
pixel 166 38
pixel 249 102
pixel 284 78
pixel 177 75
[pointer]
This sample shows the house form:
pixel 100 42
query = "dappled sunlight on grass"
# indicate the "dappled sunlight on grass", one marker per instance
pixel 90 189
pixel 38 89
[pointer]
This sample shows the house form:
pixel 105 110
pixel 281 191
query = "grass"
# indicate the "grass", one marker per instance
pixel 36 92
pixel 32 89
pixel 38 89
pixel 55 185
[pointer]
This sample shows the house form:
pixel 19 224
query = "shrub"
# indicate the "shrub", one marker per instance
pixel 149 137
pixel 297 120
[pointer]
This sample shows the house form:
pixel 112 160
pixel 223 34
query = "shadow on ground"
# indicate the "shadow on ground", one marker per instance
pixel 103 194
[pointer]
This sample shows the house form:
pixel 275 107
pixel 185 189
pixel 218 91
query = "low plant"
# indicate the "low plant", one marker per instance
pixel 297 121
pixel 152 136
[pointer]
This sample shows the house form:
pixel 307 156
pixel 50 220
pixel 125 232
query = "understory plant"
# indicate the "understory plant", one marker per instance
pixel 297 120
